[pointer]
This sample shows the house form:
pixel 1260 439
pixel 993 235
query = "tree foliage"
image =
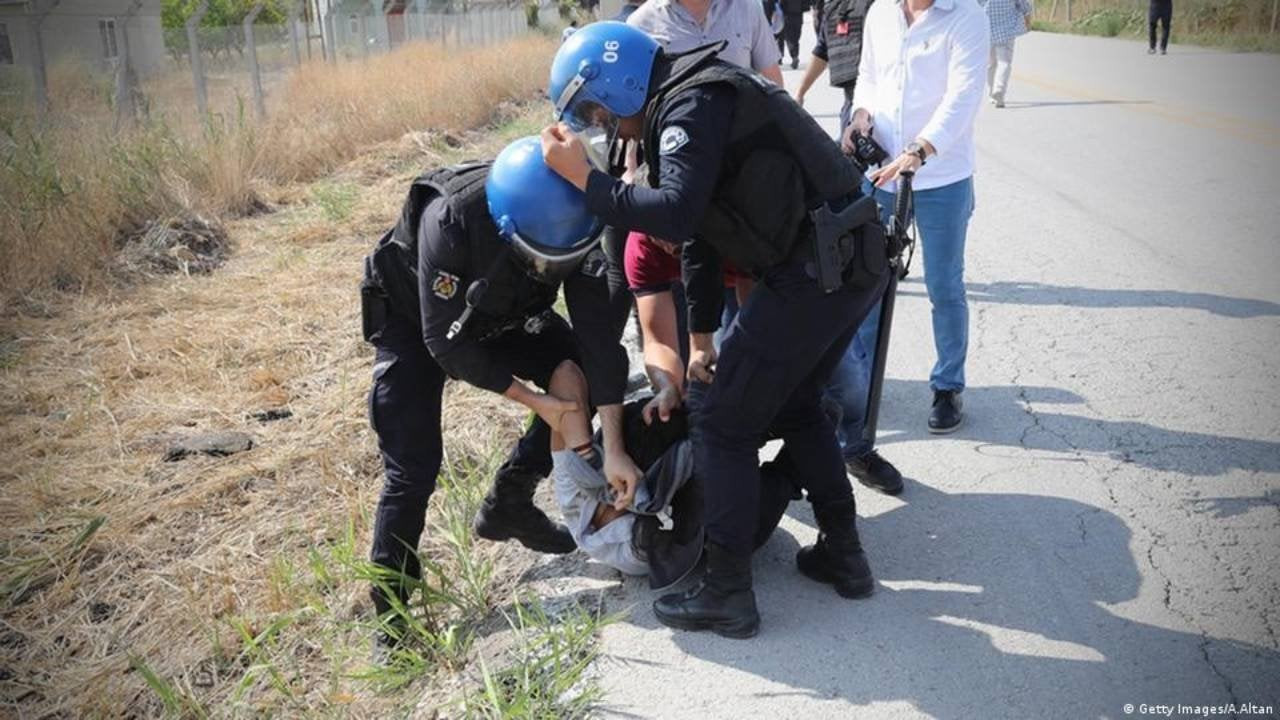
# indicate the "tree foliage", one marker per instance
pixel 222 13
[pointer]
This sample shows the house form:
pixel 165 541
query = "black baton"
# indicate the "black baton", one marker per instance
pixel 898 225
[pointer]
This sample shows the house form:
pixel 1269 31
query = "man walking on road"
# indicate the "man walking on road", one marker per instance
pixel 792 24
pixel 1159 11
pixel 920 82
pixel 1009 19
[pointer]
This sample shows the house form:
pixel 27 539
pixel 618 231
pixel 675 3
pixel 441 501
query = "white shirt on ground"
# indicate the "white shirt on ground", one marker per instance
pixel 925 82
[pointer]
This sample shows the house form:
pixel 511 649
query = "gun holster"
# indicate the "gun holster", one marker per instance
pixel 835 240
pixel 373 302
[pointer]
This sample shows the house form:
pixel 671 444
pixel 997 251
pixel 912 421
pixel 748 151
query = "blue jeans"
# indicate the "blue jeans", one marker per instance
pixel 942 218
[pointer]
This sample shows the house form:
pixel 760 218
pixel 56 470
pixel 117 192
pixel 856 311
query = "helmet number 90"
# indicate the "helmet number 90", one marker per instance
pixel 610 51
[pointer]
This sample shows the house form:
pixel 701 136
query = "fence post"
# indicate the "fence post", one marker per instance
pixel 126 78
pixel 363 25
pixel 255 73
pixel 295 10
pixel 327 28
pixel 197 62
pixel 420 6
pixel 381 29
pixel 39 76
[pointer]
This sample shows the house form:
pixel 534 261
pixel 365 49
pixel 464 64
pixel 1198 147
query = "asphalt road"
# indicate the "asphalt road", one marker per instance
pixel 1105 529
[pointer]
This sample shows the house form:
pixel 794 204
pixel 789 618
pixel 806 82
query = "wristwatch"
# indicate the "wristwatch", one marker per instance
pixel 915 148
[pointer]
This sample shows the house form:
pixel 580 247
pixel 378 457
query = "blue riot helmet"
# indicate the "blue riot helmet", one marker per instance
pixel 541 215
pixel 601 74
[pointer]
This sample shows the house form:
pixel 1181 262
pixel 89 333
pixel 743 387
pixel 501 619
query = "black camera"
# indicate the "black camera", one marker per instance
pixel 866 152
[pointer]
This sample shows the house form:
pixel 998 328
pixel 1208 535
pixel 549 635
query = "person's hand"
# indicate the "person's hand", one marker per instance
pixel 623 476
pixel 663 403
pixel 859 124
pixel 702 357
pixel 906 162
pixel 564 153
pixel 552 410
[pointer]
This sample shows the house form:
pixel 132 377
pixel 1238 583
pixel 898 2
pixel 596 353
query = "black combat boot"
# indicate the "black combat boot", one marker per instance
pixel 722 602
pixel 508 512
pixel 837 558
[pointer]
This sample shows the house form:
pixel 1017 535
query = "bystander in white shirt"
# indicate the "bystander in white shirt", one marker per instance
pixel 925 82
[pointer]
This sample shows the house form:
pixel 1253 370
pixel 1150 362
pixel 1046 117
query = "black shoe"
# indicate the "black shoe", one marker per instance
pixel 508 512
pixel 837 558
pixel 391 629
pixel 795 63
pixel 1151 51
pixel 946 416
pixel 875 472
pixel 723 602
pixel 1163 51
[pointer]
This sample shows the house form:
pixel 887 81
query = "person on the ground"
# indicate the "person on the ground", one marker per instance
pixel 734 160
pixel 464 287
pixel 660 534
pixel 1159 11
pixel 920 105
pixel 1009 19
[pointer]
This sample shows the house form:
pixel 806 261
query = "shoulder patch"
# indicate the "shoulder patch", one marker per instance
pixel 445 285
pixel 673 138
pixel 594 264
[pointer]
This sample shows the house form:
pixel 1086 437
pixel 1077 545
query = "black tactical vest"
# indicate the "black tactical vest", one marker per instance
pixel 844 50
pixel 778 164
pixel 511 296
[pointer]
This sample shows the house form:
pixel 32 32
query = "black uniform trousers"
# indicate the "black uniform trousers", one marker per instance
pixel 1159 11
pixel 774 365
pixel 792 25
pixel 404 409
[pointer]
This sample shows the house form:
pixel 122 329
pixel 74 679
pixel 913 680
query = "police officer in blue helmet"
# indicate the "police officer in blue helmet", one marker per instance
pixel 463 287
pixel 736 166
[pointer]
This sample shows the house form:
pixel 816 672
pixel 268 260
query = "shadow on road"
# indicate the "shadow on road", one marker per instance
pixel 1033 293
pixel 1060 103
pixel 988 605
pixel 1015 417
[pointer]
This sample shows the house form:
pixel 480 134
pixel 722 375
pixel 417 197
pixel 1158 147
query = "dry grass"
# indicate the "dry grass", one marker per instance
pixel 132 586
pixel 70 189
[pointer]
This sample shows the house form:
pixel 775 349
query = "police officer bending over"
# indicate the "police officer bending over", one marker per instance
pixel 464 286
pixel 735 163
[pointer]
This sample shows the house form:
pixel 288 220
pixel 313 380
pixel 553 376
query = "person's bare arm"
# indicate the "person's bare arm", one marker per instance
pixel 811 74
pixel 662 362
pixel 619 469
pixel 773 73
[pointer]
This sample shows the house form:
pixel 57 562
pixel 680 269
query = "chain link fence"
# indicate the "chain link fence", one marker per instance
pixel 129 60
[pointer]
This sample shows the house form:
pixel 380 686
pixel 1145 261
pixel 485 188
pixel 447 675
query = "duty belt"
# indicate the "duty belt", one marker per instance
pixel 530 324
